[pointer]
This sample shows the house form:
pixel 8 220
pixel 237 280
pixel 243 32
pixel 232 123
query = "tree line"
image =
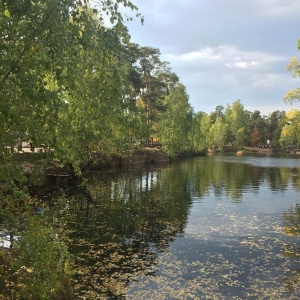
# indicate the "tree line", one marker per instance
pixel 72 83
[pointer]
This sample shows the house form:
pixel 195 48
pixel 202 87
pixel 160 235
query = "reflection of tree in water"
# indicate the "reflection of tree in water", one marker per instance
pixel 117 236
pixel 222 177
pixel 291 220
pixel 232 178
pixel 128 220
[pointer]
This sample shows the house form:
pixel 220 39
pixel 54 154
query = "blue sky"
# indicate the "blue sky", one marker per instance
pixel 225 50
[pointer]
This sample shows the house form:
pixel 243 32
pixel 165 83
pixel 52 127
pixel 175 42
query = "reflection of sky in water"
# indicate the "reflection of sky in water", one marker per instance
pixel 232 248
pixel 148 181
pixel 243 238
pixel 5 239
pixel 211 215
pixel 226 219
pixel 265 161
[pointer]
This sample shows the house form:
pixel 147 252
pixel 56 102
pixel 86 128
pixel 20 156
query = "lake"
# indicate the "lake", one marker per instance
pixel 214 227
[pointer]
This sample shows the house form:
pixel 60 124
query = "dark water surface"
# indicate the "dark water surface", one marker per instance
pixel 218 227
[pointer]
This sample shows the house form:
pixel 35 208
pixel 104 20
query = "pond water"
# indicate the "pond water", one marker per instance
pixel 215 227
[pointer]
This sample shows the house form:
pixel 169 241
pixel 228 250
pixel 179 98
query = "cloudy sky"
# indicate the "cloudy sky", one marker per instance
pixel 224 50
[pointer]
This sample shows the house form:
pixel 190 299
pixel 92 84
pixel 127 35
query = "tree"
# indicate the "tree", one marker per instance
pixel 256 129
pixel 93 115
pixel 175 122
pixel 237 119
pixel 219 112
pixel 151 80
pixel 60 61
pixel 63 77
pixel 218 132
pixel 202 139
pixel 149 59
pixel 276 120
pixel 290 135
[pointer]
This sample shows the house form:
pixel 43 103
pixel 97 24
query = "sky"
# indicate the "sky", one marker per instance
pixel 225 50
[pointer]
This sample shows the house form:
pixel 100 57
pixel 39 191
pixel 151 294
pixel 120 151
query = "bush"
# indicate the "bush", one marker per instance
pixel 39 264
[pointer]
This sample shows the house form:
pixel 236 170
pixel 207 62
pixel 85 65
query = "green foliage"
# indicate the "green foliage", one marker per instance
pixel 276 121
pixel 294 67
pixel 237 119
pixel 294 94
pixel 39 265
pixel 201 126
pixel 218 131
pixel 68 72
pixel 175 124
pixel 63 77
pixel 151 80
pixel 290 134
pixel 235 128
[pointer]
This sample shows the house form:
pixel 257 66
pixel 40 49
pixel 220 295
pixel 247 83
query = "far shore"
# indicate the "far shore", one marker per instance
pixel 268 150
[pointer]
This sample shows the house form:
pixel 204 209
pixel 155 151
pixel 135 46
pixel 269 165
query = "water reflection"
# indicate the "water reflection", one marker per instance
pixel 291 248
pixel 212 227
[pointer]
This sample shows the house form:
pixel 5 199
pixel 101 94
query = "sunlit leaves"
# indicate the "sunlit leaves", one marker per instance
pixel 237 118
pixel 62 77
pixel 112 9
pixel 175 123
pixel 292 95
pixel 294 67
pixel 290 134
pixel 218 132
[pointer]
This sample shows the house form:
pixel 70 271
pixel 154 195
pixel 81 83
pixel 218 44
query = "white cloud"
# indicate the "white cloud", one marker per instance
pixel 224 50
pixel 242 64
pixel 278 8
pixel 203 54
pixel 227 56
